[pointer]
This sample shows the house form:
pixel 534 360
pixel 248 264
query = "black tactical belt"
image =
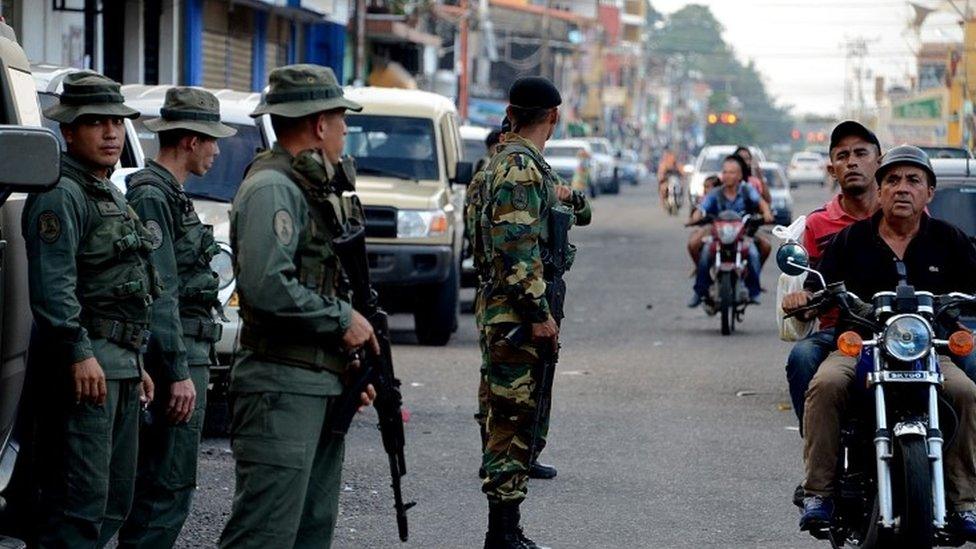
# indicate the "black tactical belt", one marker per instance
pixel 203 330
pixel 309 357
pixel 130 335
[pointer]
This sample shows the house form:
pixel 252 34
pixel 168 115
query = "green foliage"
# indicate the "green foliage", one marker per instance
pixel 691 40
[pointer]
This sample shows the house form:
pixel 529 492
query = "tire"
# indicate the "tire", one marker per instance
pixel 916 529
pixel 726 302
pixel 870 536
pixel 439 307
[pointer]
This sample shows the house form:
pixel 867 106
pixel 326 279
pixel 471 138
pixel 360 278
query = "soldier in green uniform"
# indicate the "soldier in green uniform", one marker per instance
pixel 91 285
pixel 298 325
pixel 520 195
pixel 182 324
pixel 474 204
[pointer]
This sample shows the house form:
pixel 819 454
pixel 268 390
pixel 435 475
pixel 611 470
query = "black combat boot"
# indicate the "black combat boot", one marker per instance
pixel 504 531
pixel 541 471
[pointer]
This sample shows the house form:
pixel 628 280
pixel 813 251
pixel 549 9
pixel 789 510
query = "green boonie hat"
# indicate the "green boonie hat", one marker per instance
pixel 190 109
pixel 89 93
pixel 300 90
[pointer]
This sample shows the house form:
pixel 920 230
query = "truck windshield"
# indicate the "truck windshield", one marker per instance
pixel 221 182
pixel 393 146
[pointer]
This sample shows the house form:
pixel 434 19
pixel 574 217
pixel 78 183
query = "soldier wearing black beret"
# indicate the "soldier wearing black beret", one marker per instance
pixel 520 301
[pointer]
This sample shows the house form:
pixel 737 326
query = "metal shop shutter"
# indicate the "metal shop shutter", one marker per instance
pixel 227 37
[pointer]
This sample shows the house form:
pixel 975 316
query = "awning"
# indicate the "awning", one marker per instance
pixel 380 28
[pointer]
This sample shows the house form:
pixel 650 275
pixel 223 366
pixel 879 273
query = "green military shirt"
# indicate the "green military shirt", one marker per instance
pixel 270 217
pixel 182 249
pixel 517 204
pixel 73 233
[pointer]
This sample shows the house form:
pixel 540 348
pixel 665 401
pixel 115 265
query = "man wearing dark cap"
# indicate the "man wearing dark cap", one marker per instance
pixel 298 325
pixel 855 153
pixel 91 284
pixel 521 300
pixel 182 323
pixel 937 257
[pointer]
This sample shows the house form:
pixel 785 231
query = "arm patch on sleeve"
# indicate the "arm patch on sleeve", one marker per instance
pixel 49 226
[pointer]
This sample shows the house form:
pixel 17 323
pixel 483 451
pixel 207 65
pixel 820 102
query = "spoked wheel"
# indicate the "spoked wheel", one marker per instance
pixel 726 302
pixel 916 529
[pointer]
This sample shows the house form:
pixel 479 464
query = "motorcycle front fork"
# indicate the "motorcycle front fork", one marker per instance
pixel 883 450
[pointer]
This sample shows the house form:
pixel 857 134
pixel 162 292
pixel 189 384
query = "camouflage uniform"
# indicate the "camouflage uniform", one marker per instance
pixel 473 205
pixel 519 193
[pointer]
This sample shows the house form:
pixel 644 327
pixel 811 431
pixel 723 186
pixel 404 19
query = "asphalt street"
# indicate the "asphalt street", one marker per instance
pixel 665 433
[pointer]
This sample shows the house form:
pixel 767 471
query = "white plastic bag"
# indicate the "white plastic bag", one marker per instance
pixel 791 329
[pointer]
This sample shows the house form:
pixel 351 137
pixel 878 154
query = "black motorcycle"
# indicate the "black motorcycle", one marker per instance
pixel 891 487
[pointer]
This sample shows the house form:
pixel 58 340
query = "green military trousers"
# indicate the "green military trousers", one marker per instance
pixel 167 474
pixel 288 471
pixel 513 374
pixel 89 456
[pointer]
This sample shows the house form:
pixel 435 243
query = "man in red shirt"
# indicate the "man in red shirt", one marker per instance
pixel 855 154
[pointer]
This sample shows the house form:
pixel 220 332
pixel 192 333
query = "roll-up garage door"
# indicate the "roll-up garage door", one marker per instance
pixel 227 38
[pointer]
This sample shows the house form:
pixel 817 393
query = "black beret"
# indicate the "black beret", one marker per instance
pixel 534 92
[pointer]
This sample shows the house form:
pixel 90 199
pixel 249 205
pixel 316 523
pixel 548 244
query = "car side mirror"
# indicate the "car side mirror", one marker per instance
pixel 31 159
pixel 463 174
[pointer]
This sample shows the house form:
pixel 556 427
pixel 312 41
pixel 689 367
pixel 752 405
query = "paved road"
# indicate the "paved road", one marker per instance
pixel 665 433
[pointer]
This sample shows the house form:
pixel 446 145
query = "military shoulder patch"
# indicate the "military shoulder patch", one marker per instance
pixel 155 233
pixel 284 227
pixel 49 226
pixel 520 197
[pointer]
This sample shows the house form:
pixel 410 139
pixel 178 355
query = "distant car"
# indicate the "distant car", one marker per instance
pixel 946 152
pixel 955 199
pixel 806 167
pixel 632 170
pixel 604 167
pixel 473 148
pixel 779 190
pixel 709 162
pixel 565 157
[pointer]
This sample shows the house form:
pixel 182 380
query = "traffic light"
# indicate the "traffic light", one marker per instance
pixel 796 134
pixel 727 118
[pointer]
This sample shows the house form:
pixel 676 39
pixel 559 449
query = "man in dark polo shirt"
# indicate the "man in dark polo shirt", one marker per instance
pixel 939 258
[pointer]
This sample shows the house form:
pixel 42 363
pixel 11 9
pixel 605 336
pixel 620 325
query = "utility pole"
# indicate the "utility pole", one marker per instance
pixel 544 63
pixel 360 72
pixel 463 66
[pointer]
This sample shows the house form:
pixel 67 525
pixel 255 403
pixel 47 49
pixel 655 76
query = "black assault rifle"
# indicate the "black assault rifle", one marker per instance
pixel 554 268
pixel 375 369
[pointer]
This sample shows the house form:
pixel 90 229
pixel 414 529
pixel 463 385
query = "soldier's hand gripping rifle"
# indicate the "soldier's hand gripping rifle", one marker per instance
pixel 375 369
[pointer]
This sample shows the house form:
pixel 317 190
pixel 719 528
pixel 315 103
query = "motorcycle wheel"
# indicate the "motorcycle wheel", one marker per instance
pixel 726 302
pixel 916 529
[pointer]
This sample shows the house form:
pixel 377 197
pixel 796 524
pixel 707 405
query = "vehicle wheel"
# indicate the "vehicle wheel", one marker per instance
pixel 726 301
pixel 438 309
pixel 916 528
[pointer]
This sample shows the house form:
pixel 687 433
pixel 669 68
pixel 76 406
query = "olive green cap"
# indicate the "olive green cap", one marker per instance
pixel 300 90
pixel 190 109
pixel 89 93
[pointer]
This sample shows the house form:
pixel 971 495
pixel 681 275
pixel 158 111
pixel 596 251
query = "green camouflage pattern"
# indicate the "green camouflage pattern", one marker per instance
pixel 512 220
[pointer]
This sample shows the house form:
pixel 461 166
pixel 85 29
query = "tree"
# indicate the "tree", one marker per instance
pixel 691 38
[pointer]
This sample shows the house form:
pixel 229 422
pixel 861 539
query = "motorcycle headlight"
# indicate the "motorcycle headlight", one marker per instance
pixel 727 233
pixel 421 223
pixel 223 265
pixel 907 338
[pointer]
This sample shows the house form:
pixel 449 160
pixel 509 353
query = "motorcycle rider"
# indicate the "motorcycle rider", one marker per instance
pixel 855 154
pixel 754 177
pixel 736 195
pixel 938 258
pixel 668 165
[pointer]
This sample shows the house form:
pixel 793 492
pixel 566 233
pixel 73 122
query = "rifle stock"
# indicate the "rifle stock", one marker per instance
pixel 375 369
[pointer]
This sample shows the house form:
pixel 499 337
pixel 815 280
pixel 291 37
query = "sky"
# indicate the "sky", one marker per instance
pixel 799 45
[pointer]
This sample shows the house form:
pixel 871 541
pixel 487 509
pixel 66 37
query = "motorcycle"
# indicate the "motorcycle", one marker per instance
pixel 891 487
pixel 729 242
pixel 675 192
